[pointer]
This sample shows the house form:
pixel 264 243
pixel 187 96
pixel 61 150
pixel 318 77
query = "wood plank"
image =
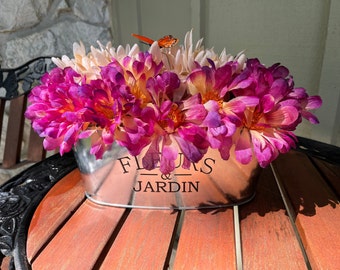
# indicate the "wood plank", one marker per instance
pixel 35 150
pixel 316 206
pixel 331 173
pixel 2 110
pixel 324 151
pixel 5 263
pixel 143 242
pixel 80 242
pixel 206 241
pixel 14 132
pixel 57 205
pixel 208 194
pixel 268 239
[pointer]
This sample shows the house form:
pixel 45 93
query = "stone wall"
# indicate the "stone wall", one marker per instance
pixel 32 28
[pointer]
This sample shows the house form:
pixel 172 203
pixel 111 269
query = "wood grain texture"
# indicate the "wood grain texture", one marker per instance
pixel 2 110
pixel 103 237
pixel 206 241
pixel 57 205
pixel 143 242
pixel 268 240
pixel 317 209
pixel 14 132
pixel 79 243
pixel 35 151
pixel 5 263
pixel 331 173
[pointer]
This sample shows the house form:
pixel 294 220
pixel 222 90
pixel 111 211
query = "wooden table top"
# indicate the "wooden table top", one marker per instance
pixel 292 223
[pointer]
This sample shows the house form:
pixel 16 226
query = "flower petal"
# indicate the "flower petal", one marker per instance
pixel 243 148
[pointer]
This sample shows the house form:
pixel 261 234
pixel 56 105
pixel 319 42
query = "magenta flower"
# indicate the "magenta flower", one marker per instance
pixel 162 104
pixel 305 103
pixel 222 118
pixel 63 111
pixel 175 125
pixel 267 124
pixel 56 111
pixel 265 132
pixel 134 133
pixel 138 70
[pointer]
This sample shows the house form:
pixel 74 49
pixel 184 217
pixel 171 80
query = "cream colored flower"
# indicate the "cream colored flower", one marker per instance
pixel 183 59
pixel 179 59
pixel 88 64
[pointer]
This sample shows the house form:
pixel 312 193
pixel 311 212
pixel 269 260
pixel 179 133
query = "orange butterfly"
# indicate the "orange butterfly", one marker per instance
pixel 164 42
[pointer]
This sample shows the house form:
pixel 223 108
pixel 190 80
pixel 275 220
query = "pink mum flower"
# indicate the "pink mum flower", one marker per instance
pixel 222 117
pixel 175 125
pixel 169 102
pixel 64 111
pixel 274 109
pixel 305 103
pixel 119 97
pixel 56 111
pixel 138 69
pixel 265 131
pixel 103 112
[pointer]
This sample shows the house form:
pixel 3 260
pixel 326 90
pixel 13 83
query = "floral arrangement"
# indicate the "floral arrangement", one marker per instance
pixel 183 99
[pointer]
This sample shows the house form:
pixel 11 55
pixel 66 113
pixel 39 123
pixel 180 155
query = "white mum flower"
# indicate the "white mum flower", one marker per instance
pixel 183 59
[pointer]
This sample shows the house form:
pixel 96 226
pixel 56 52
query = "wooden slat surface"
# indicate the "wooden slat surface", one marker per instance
pixel 14 132
pixel 145 234
pixel 59 203
pixel 79 243
pixel 206 241
pixel 35 150
pixel 331 173
pixel 5 263
pixel 317 209
pixel 268 239
pixel 101 237
pixel 2 111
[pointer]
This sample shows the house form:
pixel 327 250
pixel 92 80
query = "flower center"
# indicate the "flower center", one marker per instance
pixel 212 95
pixel 106 110
pixel 176 115
pixel 173 120
pixel 137 91
pixel 252 117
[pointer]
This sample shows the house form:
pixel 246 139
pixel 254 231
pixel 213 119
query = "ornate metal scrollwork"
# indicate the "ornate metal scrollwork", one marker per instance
pixel 18 81
pixel 19 198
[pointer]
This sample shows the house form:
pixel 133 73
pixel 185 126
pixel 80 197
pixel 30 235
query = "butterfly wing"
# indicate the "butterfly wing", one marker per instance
pixel 164 42
pixel 167 41
pixel 144 39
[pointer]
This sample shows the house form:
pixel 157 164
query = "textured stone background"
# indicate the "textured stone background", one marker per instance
pixel 32 28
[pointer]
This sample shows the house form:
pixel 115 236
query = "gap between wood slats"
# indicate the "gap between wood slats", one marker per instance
pixel 58 228
pixel 174 241
pixel 238 241
pixel 290 212
pixel 176 238
pixel 109 243
pixel 171 251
